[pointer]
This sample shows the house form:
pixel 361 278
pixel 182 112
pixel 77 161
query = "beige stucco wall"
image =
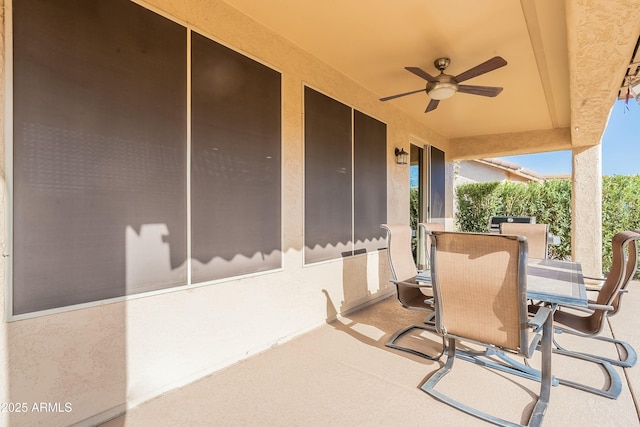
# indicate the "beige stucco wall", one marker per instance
pixel 103 358
pixel 586 209
pixel 510 144
pixel 4 377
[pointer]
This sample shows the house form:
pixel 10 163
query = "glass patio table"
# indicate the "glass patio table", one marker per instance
pixel 548 280
pixel 556 282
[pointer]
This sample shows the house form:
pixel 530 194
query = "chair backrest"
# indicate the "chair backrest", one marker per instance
pixel 630 270
pixel 480 287
pixel 536 235
pixel 432 226
pixel 425 228
pixel 622 244
pixel 634 266
pixel 403 266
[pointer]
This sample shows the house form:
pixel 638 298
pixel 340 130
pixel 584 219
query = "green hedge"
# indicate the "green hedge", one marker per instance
pixel 620 210
pixel 550 203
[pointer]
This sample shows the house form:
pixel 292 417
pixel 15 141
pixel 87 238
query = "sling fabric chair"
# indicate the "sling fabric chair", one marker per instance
pixel 424 228
pixel 409 291
pixel 536 234
pixel 623 267
pixel 630 271
pixel 480 290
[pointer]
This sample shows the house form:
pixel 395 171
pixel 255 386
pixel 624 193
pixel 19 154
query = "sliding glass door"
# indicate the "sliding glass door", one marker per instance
pixel 427 193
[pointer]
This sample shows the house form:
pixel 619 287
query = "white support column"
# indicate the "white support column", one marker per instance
pixel 586 207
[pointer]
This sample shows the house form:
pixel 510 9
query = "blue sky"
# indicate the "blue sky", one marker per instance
pixel 620 147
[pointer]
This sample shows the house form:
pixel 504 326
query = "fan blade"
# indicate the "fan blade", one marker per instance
pixel 421 73
pixel 401 94
pixel 485 67
pixel 480 90
pixel 433 104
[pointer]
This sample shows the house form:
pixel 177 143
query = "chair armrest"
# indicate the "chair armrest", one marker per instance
pixel 585 309
pixel 594 281
pixel 592 306
pixel 540 317
pixel 412 285
pixel 592 288
pixel 537 322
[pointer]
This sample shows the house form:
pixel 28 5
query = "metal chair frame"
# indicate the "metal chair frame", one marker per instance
pixel 624 246
pixel 541 324
pixel 408 292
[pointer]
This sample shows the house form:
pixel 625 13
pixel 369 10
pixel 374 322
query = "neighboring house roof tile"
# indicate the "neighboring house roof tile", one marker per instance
pixel 513 168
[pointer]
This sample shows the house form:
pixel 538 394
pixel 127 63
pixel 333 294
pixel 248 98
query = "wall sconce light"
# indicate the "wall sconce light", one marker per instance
pixel 401 156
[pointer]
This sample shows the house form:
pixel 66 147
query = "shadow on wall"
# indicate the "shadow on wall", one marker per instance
pixel 357 286
pixel 365 277
pixel 317 249
pixel 99 200
pixel 72 366
pixel 148 259
pixel 149 263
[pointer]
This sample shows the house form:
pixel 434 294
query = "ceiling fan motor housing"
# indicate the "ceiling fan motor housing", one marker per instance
pixel 441 63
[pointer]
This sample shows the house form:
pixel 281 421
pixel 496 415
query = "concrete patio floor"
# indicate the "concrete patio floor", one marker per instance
pixel 341 374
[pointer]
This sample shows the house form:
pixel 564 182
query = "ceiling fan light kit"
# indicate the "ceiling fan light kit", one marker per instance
pixel 442 89
pixel 445 86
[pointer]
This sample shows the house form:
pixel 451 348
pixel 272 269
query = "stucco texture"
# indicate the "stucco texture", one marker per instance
pixel 104 358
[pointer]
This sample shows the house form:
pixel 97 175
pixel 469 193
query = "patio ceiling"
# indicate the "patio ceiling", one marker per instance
pixel 566 60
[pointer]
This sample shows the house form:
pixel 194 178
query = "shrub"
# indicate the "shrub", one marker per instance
pixel 620 210
pixel 550 203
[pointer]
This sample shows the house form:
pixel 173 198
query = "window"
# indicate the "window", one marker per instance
pixel 369 182
pixel 345 179
pixel 235 174
pixel 101 155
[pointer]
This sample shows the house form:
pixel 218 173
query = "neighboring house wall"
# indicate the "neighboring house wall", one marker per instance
pixel 490 170
pixel 470 172
pixel 104 358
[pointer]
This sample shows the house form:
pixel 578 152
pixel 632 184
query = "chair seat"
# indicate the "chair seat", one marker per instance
pixel 420 302
pixel 583 324
pixel 571 320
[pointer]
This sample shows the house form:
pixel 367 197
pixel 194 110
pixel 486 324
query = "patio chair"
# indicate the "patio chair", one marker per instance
pixel 411 293
pixel 424 228
pixel 607 303
pixel 629 273
pixel 479 285
pixel 536 235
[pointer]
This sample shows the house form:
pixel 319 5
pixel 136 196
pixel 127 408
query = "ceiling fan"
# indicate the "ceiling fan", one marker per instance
pixel 444 85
